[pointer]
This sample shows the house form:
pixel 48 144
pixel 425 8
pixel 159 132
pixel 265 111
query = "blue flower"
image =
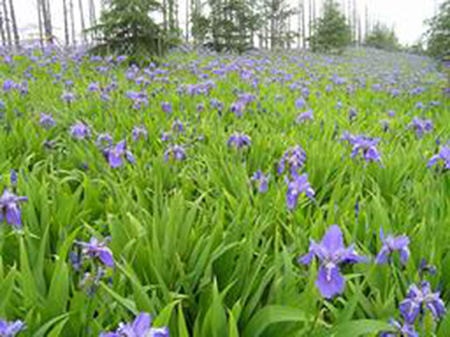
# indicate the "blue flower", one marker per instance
pixel 331 253
pixel 115 154
pixel 418 300
pixel 239 140
pixel 297 186
pixel 443 156
pixel 98 249
pixel 177 152
pixel 294 157
pixel 390 245
pixel 140 327
pixel 10 329
pixel 46 120
pixel 305 116
pixel 80 131
pixel 139 132
pixel 262 180
pixel 10 210
pixel 405 330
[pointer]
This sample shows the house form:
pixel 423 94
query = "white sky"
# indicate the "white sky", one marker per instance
pixel 405 16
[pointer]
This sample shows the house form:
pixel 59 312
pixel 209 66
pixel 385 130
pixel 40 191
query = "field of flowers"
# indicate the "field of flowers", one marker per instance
pixel 294 195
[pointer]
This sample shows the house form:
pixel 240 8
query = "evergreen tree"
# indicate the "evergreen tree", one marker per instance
pixel 438 35
pixel 381 37
pixel 331 31
pixel 126 27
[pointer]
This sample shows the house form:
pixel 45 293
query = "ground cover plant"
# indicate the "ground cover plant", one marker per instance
pixel 267 195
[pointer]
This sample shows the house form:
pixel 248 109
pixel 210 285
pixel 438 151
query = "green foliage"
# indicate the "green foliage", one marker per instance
pixel 331 33
pixel 127 28
pixel 438 34
pixel 228 27
pixel 381 37
pixel 195 245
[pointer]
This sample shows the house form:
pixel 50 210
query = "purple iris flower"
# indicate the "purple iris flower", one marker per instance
pixel 68 97
pixel 442 156
pixel 139 132
pixel 93 87
pixel 165 136
pixel 177 152
pixel 405 330
pixel 421 126
pixel 300 103
pixel 418 300
pixel 297 186
pixel 98 249
pixel 390 245
pixel 115 154
pixel 80 131
pixel 13 177
pixel 140 327
pixel 8 85
pixel 177 126
pixel 46 120
pixel 166 107
pixel 305 116
pixel 104 140
pixel 294 157
pixel 262 180
pixel 239 140
pixel 10 329
pixel 10 210
pixel 237 108
pixel 420 105
pixel 367 147
pixel 331 252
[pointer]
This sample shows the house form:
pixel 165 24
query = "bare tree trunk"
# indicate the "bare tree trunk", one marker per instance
pixel 92 17
pixel 310 22
pixel 14 24
pixel 2 30
pixel 66 23
pixel 164 12
pixel 187 22
pixel 83 25
pixel 41 35
pixel 8 27
pixel 46 14
pixel 72 22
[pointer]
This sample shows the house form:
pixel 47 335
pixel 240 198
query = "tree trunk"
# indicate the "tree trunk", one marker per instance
pixel 14 24
pixel 164 12
pixel 8 27
pixel 66 23
pixel 46 14
pixel 187 22
pixel 72 22
pixel 2 30
pixel 83 25
pixel 39 13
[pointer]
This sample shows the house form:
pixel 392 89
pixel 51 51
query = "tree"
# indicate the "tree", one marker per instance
pixel 66 23
pixel 14 23
pixel 438 34
pixel 331 31
pixel 126 27
pixel 8 27
pixel 381 37
pixel 83 25
pixel 277 17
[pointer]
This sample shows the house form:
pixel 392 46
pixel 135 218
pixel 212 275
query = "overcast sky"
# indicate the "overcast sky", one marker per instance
pixel 406 16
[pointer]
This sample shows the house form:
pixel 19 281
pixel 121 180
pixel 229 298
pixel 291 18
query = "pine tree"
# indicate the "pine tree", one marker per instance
pixel 126 27
pixel 438 34
pixel 381 37
pixel 331 31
